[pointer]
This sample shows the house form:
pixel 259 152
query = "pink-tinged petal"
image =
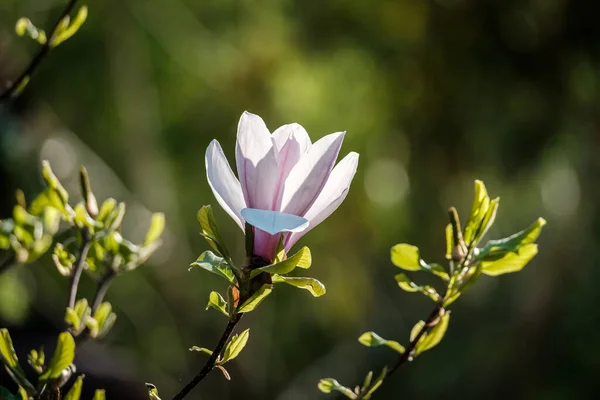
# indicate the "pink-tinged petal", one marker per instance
pixel 223 182
pixel 307 178
pixel 290 142
pixel 332 195
pixel 265 244
pixel 256 162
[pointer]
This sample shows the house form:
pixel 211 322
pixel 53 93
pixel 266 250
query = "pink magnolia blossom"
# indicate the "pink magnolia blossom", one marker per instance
pixel 281 172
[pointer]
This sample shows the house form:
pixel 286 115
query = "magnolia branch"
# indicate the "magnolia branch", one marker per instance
pixel 102 288
pixel 39 57
pixel 78 269
pixel 212 360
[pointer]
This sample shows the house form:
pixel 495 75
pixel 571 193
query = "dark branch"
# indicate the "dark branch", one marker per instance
pixel 210 364
pixel 39 57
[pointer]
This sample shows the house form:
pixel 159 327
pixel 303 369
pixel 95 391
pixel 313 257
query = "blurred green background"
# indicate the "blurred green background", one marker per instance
pixel 432 94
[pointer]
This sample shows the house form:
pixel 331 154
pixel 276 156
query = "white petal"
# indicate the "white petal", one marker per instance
pixel 223 182
pixel 332 195
pixel 307 178
pixel 256 162
pixel 290 142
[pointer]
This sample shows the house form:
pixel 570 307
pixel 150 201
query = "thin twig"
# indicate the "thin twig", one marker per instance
pixel 39 57
pixel 103 285
pixel 210 363
pixel 78 270
pixel 8 263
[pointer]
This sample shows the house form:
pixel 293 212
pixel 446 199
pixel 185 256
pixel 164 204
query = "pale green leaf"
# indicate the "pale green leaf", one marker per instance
pixel 407 285
pixel 210 232
pixel 371 339
pixel 152 392
pixel 328 385
pixel 100 394
pixel 406 257
pixel 435 335
pixel 378 382
pixel 215 264
pixel 256 298
pixel 201 349
pixel 75 392
pixel 479 209
pixel 156 229
pixel 235 346
pixel 315 287
pixel 216 301
pixel 511 262
pixel 301 259
pixel 64 354
pixel 7 350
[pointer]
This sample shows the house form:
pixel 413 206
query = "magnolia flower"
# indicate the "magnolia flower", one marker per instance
pixel 287 185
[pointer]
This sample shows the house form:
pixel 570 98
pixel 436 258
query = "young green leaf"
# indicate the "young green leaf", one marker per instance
pixel 433 337
pixel 100 394
pixel 235 346
pixel 371 339
pixel 513 242
pixel 69 30
pixel 202 349
pixel 256 298
pixel 152 392
pixel 409 286
pixel 37 359
pixel 315 287
pixel 75 392
pixel 63 356
pixel 449 242
pixel 511 262
pixel 301 259
pixel 216 301
pixel 156 229
pixel 328 385
pixel 479 209
pixel 376 384
pixel 215 264
pixel 7 351
pixel 406 256
pixel 210 231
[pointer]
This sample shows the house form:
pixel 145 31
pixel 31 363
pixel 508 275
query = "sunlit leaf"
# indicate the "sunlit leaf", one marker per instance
pixel 301 259
pixel 407 285
pixel 371 339
pixel 216 301
pixel 479 209
pixel 328 385
pixel 315 287
pixel 37 359
pixel 256 298
pixel 7 350
pixel 75 392
pixel 156 228
pixel 210 231
pixel 235 346
pixel 376 384
pixel 100 394
pixel 406 257
pixel 435 335
pixel 69 30
pixel 152 392
pixel 64 354
pixel 511 262
pixel 201 349
pixel 215 264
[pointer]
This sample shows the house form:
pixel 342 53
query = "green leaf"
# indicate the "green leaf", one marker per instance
pixel 511 262
pixel 107 207
pixel 156 228
pixel 105 318
pixel 202 349
pixel 315 287
pixel 62 358
pixel 256 299
pixel 437 270
pixel 70 30
pixel 152 392
pixel 37 359
pixel 53 182
pixel 215 264
pixel 371 339
pixel 435 335
pixel 301 259
pixel 75 391
pixel 100 394
pixel 406 257
pixel 513 242
pixel 210 231
pixel 409 286
pixel 7 351
pixel 83 218
pixel 72 319
pixel 416 329
pixel 378 382
pixel 216 301
pixel 328 385
pixel 235 346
